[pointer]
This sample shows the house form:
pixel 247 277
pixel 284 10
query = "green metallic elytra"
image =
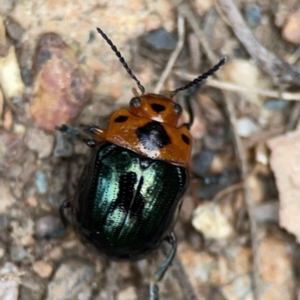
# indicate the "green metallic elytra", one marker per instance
pixel 125 204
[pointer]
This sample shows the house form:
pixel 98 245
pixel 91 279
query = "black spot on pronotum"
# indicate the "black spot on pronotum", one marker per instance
pixel 153 136
pixel 185 139
pixel 120 119
pixel 158 108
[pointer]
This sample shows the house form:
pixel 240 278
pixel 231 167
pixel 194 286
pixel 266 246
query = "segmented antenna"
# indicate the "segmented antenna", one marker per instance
pixel 122 60
pixel 201 77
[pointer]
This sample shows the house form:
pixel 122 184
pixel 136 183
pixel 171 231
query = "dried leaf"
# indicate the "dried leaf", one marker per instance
pixel 285 163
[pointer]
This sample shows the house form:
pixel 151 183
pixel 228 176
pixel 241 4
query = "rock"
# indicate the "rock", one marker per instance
pixel 32 287
pixel 246 127
pixel 11 148
pixel 71 279
pixel 42 268
pixel 61 88
pixel 22 234
pixel 41 183
pixel 267 212
pixel 7 198
pixel 252 14
pixel 17 253
pixel 39 141
pixel 202 162
pixel 291 30
pixel 9 283
pixel 13 28
pixel 211 222
pixel 159 40
pixel 276 267
pixel 7 120
pixel 239 288
pixel 127 294
pixel 64 146
pixel 55 254
pixel 276 104
pixel 10 75
pixel 47 225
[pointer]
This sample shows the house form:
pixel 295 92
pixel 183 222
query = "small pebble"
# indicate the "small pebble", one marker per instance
pixel 42 268
pixel 17 253
pixel 127 294
pixel 211 222
pixel 246 127
pixel 41 182
pixel 56 253
pixel 71 280
pixel 32 201
pixel 7 198
pixel 61 88
pixel 64 146
pixel 39 141
pixel 267 212
pixel 13 28
pixel 47 225
pixel 20 130
pixel 11 148
pixel 9 285
pixel 202 162
pixel 32 287
pixel 7 120
pixel 159 40
pixel 252 14
pixel 276 104
pixel 10 75
pixel 291 30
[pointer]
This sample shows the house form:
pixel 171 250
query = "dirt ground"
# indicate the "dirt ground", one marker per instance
pixel 239 227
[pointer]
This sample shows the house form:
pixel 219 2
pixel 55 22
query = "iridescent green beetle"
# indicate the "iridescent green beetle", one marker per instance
pixel 130 192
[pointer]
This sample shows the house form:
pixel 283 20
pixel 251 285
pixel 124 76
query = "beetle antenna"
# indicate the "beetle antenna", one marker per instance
pixel 201 77
pixel 122 60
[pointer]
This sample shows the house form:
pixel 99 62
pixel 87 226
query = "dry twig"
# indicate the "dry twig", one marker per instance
pixel 228 190
pixel 185 10
pixel 280 71
pixel 182 278
pixel 239 151
pixel 228 86
pixel 174 55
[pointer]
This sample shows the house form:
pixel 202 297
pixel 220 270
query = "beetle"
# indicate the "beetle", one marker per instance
pixel 130 191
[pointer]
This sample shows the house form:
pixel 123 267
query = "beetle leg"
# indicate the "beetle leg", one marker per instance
pixel 95 130
pixel 77 134
pixel 60 231
pixel 158 276
pixel 64 205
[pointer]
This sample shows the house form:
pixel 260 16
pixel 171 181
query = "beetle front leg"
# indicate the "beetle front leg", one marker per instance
pixel 95 131
pixel 77 134
pixel 158 276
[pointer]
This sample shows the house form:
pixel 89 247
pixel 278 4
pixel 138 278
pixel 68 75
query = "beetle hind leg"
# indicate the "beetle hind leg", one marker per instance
pixel 158 276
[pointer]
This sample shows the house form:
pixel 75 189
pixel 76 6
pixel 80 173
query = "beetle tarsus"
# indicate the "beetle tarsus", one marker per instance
pixel 77 134
pixel 154 290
